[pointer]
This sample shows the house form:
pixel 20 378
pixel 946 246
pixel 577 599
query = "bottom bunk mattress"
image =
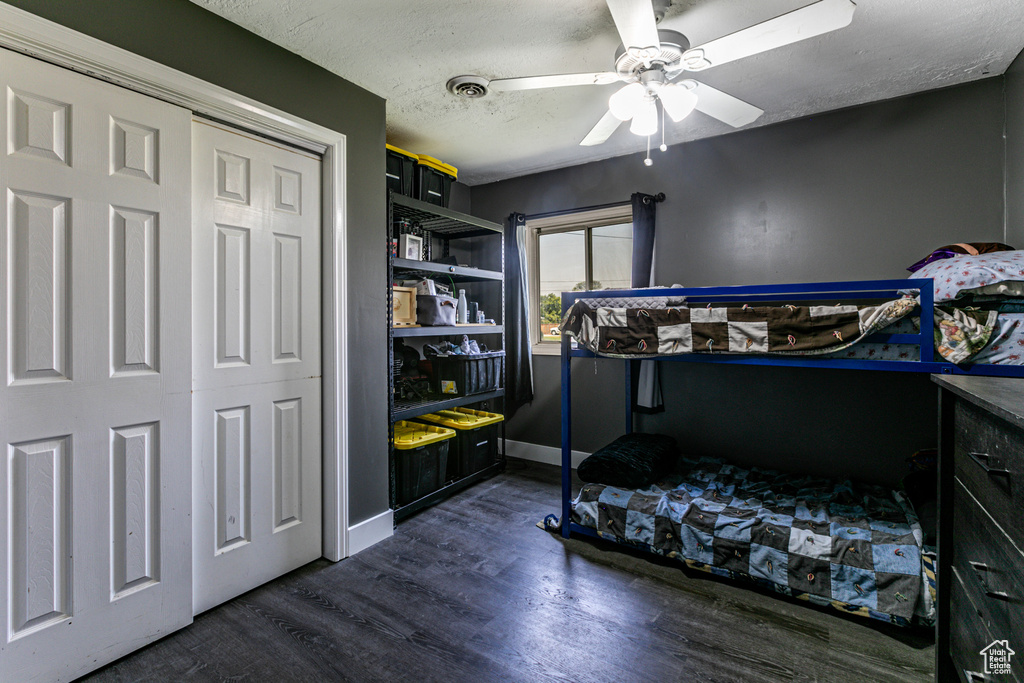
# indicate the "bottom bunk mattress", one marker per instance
pixel 855 547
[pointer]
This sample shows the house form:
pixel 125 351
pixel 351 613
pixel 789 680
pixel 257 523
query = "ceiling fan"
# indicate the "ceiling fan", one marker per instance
pixel 650 62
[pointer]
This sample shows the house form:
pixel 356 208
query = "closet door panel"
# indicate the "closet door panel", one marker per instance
pixel 95 339
pixel 256 410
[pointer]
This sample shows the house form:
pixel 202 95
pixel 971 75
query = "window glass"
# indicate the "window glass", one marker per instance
pixel 612 249
pixel 562 267
pixel 585 250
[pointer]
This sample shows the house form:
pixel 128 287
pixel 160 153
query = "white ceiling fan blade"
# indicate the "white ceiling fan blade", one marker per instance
pixel 724 107
pixel 806 22
pixel 678 100
pixel 635 21
pixel 555 81
pixel 602 131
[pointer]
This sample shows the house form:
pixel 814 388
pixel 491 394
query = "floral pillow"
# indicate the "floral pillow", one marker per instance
pixel 1001 272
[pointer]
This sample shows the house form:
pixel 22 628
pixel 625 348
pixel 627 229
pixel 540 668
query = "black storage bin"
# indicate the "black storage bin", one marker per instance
pixel 466 375
pixel 475 445
pixel 400 168
pixel 420 470
pixel 476 449
pixel 433 181
pixel 472 450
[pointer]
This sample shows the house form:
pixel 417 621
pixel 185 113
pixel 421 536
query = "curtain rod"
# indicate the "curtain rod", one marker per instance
pixel 660 197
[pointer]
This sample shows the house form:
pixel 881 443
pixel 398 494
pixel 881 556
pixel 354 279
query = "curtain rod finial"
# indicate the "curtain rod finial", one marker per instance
pixel 660 197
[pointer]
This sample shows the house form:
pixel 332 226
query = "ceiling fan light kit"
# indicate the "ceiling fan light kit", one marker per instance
pixel 626 100
pixel 645 117
pixel 650 60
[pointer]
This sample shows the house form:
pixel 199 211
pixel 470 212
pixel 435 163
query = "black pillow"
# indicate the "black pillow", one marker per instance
pixel 632 461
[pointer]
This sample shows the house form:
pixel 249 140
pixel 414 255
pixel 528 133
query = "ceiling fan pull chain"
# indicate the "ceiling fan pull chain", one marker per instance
pixel 647 161
pixel 664 147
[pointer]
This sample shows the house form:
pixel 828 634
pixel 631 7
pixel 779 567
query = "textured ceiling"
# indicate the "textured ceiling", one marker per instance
pixel 406 51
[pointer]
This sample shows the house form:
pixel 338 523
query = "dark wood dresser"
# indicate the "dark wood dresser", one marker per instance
pixel 981 529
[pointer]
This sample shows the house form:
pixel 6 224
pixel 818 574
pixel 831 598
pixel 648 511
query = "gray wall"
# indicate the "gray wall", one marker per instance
pixel 1014 79
pixel 460 198
pixel 181 35
pixel 854 194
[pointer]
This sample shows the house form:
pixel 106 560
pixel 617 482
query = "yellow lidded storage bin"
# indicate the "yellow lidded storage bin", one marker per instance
pixel 438 165
pixel 463 418
pixel 434 180
pixel 401 151
pixel 400 169
pixel 409 435
pixel 421 459
pixel 475 446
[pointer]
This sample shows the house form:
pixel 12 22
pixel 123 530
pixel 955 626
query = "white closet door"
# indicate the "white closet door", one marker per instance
pixel 95 488
pixel 256 362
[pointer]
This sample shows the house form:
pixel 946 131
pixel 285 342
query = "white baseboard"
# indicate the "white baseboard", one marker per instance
pixel 370 531
pixel 538 453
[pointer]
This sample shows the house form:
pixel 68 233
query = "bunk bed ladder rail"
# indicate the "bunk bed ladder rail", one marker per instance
pixel 926 339
pixel 566 426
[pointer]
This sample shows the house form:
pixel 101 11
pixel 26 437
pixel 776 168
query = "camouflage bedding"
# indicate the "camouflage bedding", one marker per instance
pixel 852 546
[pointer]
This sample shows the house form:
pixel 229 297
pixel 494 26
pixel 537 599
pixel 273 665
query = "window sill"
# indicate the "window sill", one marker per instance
pixel 546 349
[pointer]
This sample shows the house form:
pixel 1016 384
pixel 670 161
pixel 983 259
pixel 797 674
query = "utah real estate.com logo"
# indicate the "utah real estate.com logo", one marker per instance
pixel 997 657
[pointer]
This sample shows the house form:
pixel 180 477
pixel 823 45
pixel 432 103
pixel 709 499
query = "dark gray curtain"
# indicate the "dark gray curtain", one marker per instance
pixel 643 238
pixel 518 359
pixel 646 380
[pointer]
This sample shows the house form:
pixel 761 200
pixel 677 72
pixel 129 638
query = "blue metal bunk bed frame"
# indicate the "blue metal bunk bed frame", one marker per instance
pixel 817 291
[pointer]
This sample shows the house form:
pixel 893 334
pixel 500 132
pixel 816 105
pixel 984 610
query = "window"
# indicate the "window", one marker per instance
pixel 575 252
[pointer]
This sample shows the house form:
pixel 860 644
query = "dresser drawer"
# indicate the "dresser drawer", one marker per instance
pixel 989 570
pixel 967 635
pixel 989 460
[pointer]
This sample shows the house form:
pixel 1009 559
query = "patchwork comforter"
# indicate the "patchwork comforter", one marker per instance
pixel 855 547
pixel 780 330
pixel 788 330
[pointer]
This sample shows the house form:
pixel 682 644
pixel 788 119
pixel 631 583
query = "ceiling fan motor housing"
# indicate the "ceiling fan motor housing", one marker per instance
pixel 673 45
pixel 660 7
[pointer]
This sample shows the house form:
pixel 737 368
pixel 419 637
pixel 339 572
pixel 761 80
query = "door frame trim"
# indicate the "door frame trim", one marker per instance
pixel 32 35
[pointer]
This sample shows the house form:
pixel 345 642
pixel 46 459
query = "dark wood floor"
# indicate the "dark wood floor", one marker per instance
pixel 471 590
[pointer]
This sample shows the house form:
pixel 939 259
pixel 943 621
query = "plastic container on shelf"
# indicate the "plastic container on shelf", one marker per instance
pixel 421 455
pixel 464 375
pixel 475 445
pixel 400 168
pixel 434 180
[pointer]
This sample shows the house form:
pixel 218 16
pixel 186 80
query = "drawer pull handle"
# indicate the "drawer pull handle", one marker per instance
pixel 981 570
pixel 992 466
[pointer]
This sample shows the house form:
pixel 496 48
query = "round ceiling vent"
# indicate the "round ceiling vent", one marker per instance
pixel 468 86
